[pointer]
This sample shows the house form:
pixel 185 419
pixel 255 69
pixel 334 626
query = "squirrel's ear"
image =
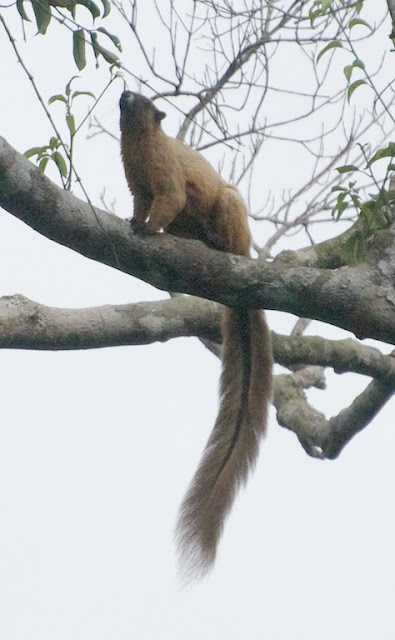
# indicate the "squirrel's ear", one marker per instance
pixel 159 115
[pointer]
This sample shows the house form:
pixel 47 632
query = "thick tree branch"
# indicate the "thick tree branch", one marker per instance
pixel 360 299
pixel 25 324
pixel 329 254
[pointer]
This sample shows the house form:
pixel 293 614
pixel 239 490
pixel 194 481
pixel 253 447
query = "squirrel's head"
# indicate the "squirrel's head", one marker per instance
pixel 138 113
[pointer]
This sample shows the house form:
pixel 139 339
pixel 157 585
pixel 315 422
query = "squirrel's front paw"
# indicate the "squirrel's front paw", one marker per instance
pixel 138 226
pixel 143 228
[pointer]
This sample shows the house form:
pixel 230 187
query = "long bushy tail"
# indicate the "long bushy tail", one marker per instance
pixel 233 446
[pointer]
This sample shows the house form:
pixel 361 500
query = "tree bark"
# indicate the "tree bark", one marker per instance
pixel 360 299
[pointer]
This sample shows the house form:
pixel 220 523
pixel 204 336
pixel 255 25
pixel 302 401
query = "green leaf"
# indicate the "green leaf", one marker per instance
pixel 34 151
pixel 112 37
pixel 79 48
pixel 67 88
pixel 315 12
pixel 353 87
pixel 355 247
pixel 61 163
pixel 358 63
pixel 326 4
pixel 356 200
pixel 42 11
pixel 359 6
pixel 348 68
pixel 355 21
pixel 346 168
pixel 93 8
pixel 373 213
pixel 43 164
pixel 368 211
pixel 56 98
pixel 313 15
pixel 71 123
pixel 54 143
pixel 95 46
pixel 387 152
pixel 21 10
pixel 340 206
pixel 107 55
pixel 347 71
pixel 391 167
pixel 107 8
pixel 83 93
pixel 335 44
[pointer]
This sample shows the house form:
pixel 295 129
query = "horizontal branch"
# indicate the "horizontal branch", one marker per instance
pixel 344 356
pixel 25 324
pixel 359 299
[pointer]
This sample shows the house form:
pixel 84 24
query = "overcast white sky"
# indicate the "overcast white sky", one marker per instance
pixel 97 449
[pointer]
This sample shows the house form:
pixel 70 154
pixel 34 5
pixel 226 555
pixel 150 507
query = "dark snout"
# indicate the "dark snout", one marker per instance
pixel 138 109
pixel 127 98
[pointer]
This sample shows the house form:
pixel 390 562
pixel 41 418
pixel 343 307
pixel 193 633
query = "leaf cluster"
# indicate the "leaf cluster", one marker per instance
pixel 326 7
pixel 43 12
pixel 374 215
pixel 80 39
pixel 81 36
pixel 51 151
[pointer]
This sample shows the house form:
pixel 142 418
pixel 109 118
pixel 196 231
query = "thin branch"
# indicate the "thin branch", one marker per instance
pixel 322 438
pixel 342 355
pixel 357 416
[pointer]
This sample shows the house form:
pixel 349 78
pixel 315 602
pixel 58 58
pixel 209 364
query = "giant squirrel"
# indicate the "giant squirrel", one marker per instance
pixel 175 189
